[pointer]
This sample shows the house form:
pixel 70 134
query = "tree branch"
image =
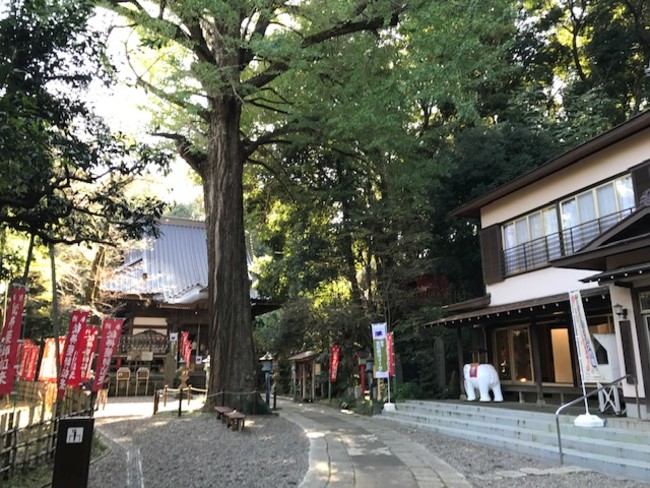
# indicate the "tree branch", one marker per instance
pixel 276 68
pixel 193 37
pixel 194 158
pixel 270 137
pixel 278 178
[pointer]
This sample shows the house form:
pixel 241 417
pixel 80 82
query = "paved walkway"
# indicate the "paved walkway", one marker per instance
pixel 348 451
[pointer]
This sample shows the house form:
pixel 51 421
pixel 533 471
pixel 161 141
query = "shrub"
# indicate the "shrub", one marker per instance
pixel 410 390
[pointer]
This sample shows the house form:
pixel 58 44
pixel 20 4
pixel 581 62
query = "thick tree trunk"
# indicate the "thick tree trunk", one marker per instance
pixel 232 361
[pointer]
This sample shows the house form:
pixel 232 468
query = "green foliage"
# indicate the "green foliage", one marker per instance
pixel 409 391
pixel 347 402
pixel 63 176
pixel 364 125
pixel 367 407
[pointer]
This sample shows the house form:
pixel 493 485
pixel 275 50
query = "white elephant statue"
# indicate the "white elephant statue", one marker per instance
pixel 482 377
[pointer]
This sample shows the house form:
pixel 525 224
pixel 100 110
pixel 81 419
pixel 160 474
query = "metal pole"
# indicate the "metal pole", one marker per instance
pixel 180 401
pixel 268 389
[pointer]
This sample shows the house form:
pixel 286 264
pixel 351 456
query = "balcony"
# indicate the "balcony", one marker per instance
pixel 537 253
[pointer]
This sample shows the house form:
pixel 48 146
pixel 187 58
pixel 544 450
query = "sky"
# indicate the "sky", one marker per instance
pixel 119 108
pixel 119 105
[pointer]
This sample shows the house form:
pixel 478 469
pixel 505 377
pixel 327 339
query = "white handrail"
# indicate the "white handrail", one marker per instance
pixel 583 397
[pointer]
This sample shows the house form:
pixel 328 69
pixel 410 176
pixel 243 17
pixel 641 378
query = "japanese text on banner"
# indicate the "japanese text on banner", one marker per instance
pixel 585 347
pixel 110 334
pixel 379 347
pixel 9 339
pixel 76 332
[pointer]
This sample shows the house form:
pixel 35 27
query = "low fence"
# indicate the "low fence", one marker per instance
pixel 163 395
pixel 28 430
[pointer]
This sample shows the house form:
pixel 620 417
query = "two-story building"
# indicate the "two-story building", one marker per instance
pixel 578 222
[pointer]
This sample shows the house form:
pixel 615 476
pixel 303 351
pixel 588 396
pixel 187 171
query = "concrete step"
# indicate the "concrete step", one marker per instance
pixel 613 450
pixel 578 438
pixel 616 429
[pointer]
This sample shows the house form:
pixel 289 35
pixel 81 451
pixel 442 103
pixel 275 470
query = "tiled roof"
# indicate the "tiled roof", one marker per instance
pixel 171 269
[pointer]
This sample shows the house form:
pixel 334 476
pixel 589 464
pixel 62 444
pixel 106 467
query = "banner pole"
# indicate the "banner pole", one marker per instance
pixel 587 361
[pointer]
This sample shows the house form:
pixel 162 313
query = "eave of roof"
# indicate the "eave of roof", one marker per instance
pixel 530 306
pixel 620 273
pixel 303 356
pixel 620 132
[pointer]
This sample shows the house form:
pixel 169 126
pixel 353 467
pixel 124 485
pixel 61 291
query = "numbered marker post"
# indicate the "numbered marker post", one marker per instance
pixel 72 457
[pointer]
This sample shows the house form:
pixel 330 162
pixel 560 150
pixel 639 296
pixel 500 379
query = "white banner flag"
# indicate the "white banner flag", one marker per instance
pixel 586 352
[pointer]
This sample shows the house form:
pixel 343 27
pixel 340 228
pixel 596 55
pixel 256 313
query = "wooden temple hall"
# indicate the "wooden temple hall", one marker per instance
pixel 161 290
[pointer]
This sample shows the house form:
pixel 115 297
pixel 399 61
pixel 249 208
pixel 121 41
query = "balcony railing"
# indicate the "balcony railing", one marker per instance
pixel 537 253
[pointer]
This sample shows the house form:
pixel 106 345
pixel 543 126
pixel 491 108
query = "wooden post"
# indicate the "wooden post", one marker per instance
pixel 165 396
pixel 180 401
pixel 459 345
pixel 537 364
pixel 156 400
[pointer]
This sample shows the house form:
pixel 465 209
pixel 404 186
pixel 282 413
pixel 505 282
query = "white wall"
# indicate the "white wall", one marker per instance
pixel 622 296
pixel 537 284
pixel 602 166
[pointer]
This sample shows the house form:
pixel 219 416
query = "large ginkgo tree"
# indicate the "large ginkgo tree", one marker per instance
pixel 221 58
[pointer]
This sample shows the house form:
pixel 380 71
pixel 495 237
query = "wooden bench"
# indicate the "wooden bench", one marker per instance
pixel 221 411
pixel 235 419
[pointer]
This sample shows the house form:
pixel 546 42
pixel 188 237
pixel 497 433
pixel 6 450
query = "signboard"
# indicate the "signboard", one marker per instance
pixel 72 455
pixel 380 349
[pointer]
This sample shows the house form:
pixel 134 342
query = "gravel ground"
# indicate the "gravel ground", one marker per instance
pixel 195 451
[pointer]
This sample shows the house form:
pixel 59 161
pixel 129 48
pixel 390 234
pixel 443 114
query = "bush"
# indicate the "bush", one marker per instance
pixel 368 407
pixel 409 391
pixel 347 402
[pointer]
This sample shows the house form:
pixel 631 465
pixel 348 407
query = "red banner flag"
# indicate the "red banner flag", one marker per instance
pixel 186 347
pixel 28 360
pixel 110 334
pixel 71 358
pixel 389 353
pixel 74 377
pixel 335 353
pixel 88 353
pixel 9 340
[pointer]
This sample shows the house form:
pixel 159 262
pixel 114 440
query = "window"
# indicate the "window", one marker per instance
pixel 590 213
pixel 644 301
pixel 531 241
pixel 513 356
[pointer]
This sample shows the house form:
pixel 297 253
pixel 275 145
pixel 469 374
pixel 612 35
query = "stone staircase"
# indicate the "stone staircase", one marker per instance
pixel 621 448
